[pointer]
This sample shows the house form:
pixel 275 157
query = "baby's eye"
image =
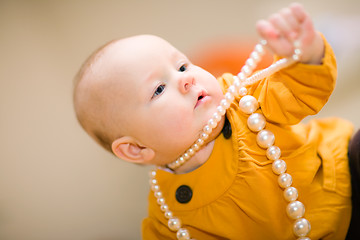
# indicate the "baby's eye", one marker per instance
pixel 183 68
pixel 159 90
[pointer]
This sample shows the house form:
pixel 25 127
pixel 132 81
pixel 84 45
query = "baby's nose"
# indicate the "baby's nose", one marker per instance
pixel 186 82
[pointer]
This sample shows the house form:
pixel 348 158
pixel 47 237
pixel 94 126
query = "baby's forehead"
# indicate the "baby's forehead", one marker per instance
pixel 140 46
pixel 127 61
pixel 137 54
pixel 122 59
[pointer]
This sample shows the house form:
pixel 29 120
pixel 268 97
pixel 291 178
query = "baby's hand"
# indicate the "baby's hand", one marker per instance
pixel 288 25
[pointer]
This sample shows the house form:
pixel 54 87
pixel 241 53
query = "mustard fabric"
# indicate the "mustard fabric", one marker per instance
pixel 236 194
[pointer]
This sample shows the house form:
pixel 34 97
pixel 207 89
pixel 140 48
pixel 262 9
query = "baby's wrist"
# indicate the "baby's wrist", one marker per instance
pixel 314 54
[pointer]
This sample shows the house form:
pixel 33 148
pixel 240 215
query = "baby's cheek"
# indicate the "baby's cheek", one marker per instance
pixel 180 122
pixel 184 124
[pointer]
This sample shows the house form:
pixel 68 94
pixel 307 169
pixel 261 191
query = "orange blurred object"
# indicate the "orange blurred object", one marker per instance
pixel 226 56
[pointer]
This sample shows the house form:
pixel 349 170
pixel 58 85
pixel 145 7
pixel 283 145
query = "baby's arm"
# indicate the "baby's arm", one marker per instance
pixel 295 92
pixel 288 25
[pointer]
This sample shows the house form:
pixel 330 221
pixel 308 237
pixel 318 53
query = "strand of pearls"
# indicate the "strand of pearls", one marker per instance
pixel 174 223
pixel 265 139
pixel 237 88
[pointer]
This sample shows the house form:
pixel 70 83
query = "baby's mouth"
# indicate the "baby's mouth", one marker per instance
pixel 202 97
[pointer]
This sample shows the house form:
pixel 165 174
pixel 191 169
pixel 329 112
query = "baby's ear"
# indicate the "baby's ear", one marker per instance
pixel 128 149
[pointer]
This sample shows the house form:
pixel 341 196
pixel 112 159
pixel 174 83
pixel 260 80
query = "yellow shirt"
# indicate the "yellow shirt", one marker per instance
pixel 236 194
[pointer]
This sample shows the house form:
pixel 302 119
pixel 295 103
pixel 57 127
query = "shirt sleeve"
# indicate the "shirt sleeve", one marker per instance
pixel 295 92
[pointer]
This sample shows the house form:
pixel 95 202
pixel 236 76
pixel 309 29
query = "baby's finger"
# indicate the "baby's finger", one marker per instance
pixel 298 11
pixel 286 22
pixel 276 41
pixel 280 24
pixel 293 25
pixel 307 27
pixel 266 30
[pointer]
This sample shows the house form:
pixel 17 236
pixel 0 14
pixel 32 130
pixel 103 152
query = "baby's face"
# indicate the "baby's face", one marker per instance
pixel 166 100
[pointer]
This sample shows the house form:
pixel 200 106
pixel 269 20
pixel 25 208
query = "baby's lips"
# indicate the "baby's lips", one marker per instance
pixel 201 97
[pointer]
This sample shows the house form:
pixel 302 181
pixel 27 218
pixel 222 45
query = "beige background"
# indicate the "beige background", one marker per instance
pixel 55 182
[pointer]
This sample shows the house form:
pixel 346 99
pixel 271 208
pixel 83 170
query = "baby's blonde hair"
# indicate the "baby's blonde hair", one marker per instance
pixel 83 114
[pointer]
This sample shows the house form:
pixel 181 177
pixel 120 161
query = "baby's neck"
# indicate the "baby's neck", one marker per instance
pixel 197 160
pixel 202 155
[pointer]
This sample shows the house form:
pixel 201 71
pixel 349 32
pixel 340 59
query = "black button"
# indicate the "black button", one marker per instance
pixel 183 194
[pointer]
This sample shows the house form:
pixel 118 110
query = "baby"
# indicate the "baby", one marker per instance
pixel 144 101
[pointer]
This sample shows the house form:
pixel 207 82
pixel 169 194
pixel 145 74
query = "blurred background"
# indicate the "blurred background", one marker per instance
pixel 55 182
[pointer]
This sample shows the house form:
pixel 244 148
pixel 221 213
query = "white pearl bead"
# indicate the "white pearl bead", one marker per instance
pixel 186 156
pixel 153 181
pixel 273 153
pixel 212 123
pixel 152 173
pixel 242 91
pixel 196 146
pixel 297 54
pixel 290 194
pixel 200 141
pixel 237 83
pixel 296 57
pixel 279 166
pixel 241 76
pixel 255 56
pixel 232 90
pixel 164 207
pixel 248 104
pixel 183 234
pixel 174 164
pixel 204 136
pixel 161 201
pixel 207 129
pixel 263 42
pixel 301 227
pixel 285 180
pixel 229 97
pixel 174 224
pixel 225 104
pixel 191 152
pixel 168 214
pixel 259 49
pixel 251 63
pixel 265 138
pixel 220 110
pixel 181 160
pixel 155 187
pixel 158 194
pixel 295 210
pixel 246 70
pixel 216 116
pixel 303 238
pixel 256 122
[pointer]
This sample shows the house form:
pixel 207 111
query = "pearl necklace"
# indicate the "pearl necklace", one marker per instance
pixel 265 139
